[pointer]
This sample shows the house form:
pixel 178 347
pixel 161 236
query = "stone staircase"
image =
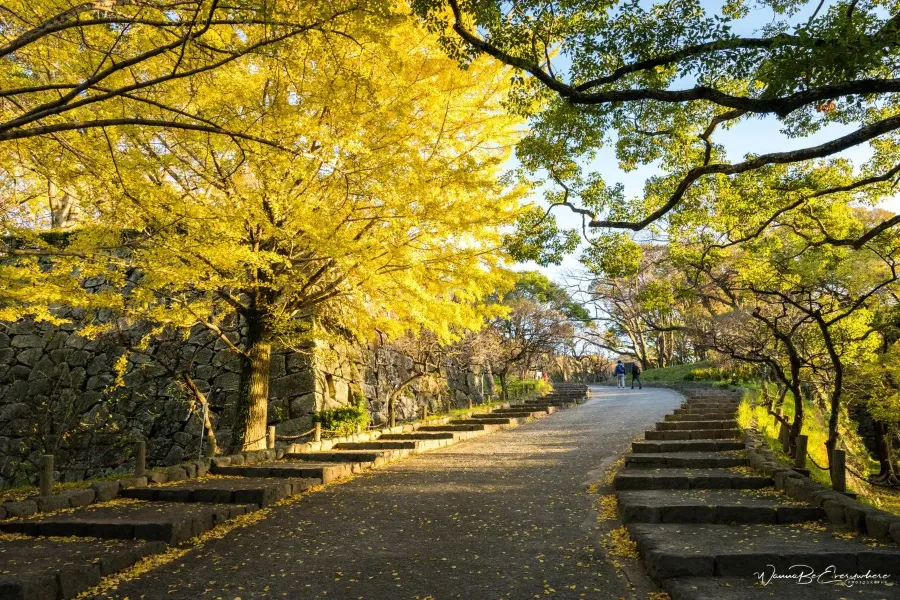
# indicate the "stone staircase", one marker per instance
pixel 707 525
pixel 145 519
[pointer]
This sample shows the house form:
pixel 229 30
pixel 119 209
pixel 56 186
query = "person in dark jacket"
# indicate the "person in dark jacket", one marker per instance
pixel 636 376
pixel 620 374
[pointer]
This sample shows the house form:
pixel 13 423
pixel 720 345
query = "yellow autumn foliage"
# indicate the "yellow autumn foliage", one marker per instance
pixel 382 208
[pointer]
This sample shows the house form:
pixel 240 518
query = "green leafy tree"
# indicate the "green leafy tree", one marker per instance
pixel 658 83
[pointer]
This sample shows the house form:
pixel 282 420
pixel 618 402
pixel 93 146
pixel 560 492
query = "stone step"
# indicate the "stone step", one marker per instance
pixel 726 414
pixel 694 434
pixel 420 445
pixel 700 417
pixel 535 409
pixel 374 457
pixel 684 549
pixel 46 569
pixel 695 460
pixel 419 435
pixel 445 428
pixel 485 421
pixel 706 409
pixel 169 522
pixel 552 399
pixel 683 479
pixel 518 414
pixel 713 400
pixel 714 506
pixel 492 416
pixel 685 446
pixel 225 490
pixel 750 588
pixel 326 472
pixel 675 425
pixel 379 445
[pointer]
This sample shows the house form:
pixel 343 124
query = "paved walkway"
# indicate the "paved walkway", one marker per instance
pixel 505 515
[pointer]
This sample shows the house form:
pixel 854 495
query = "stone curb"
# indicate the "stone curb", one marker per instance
pixel 839 509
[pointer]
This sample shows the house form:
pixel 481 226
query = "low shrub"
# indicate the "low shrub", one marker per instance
pixel 345 420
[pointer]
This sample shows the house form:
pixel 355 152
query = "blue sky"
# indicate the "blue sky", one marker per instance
pixel 755 136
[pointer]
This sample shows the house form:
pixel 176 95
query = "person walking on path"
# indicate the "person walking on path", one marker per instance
pixel 636 376
pixel 620 374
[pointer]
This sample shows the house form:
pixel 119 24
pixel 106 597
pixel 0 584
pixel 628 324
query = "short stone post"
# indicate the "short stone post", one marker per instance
pixel 46 483
pixel 140 459
pixel 839 471
pixel 800 454
pixel 270 437
pixel 317 436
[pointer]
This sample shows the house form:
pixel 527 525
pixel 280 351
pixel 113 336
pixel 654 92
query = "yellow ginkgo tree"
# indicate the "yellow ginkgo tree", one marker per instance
pixel 385 210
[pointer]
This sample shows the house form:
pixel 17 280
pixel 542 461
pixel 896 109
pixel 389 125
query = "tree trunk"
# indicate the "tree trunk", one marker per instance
pixel 797 425
pixel 253 402
pixel 837 388
pixel 883 450
pixel 204 402
pixel 392 399
pixel 504 390
pixel 63 208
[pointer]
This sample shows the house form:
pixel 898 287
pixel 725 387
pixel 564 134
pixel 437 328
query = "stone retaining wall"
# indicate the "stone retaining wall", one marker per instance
pixel 59 395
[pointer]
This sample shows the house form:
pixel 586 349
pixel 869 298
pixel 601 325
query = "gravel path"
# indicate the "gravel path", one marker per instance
pixel 506 515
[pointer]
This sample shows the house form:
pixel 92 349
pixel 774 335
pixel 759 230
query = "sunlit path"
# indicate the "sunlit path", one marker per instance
pixel 502 516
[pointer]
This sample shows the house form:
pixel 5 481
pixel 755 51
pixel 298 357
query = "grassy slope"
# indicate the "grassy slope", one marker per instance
pixel 815 427
pixel 674 373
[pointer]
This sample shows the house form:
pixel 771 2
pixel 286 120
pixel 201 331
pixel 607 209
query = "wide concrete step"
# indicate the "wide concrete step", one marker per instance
pixel 683 550
pixel 419 435
pixel 675 425
pixel 225 490
pixel 688 479
pixel 714 506
pixel 446 428
pixel 685 446
pixel 169 522
pixel 47 568
pixel 750 588
pixel 700 417
pixel 694 434
pixel 325 471
pixel 695 460
pixel 484 421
